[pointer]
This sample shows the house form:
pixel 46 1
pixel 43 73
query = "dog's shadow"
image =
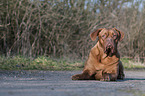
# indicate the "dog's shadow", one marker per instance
pixel 131 79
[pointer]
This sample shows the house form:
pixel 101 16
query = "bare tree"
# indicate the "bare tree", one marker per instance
pixel 62 27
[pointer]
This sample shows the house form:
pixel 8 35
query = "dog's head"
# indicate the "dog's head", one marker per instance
pixel 108 39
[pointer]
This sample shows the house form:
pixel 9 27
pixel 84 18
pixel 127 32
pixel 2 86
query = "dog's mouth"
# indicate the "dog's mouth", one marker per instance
pixel 109 50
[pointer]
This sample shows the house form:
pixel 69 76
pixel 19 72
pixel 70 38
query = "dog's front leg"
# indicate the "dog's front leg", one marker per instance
pixel 84 76
pixel 98 75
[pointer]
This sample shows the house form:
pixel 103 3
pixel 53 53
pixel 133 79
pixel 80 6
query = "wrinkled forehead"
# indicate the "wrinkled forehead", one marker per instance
pixel 108 31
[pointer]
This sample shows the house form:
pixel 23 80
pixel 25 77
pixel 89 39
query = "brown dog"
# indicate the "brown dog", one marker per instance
pixel 104 60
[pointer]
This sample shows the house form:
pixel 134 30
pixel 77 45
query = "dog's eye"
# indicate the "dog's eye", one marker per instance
pixel 103 36
pixel 114 35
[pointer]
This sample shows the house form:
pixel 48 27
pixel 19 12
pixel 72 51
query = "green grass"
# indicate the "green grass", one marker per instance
pixel 48 63
pixel 131 64
pixel 39 63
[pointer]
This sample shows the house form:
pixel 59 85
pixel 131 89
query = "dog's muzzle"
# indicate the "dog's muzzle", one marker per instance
pixel 109 49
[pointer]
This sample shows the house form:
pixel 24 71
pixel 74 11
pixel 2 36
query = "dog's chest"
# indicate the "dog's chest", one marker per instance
pixel 109 60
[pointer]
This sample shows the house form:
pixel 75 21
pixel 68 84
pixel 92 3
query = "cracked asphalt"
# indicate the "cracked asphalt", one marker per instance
pixel 59 83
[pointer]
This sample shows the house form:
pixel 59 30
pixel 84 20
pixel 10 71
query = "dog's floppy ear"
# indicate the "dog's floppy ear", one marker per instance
pixel 94 34
pixel 120 33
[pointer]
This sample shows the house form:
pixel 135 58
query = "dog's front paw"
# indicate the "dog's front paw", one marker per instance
pixel 106 77
pixel 75 77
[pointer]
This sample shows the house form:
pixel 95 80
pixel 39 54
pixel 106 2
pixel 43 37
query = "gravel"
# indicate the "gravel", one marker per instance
pixel 59 83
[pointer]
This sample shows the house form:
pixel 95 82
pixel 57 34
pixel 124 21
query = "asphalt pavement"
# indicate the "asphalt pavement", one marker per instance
pixel 59 83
